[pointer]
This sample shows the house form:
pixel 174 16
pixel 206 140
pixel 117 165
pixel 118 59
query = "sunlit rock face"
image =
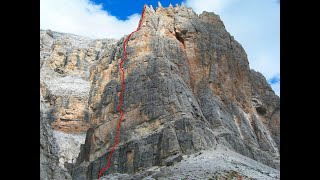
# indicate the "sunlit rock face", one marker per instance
pixel 188 88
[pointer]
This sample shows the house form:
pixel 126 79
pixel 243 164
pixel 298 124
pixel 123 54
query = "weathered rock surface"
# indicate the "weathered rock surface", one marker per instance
pixel 267 105
pixel 65 62
pixel 68 146
pixel 208 164
pixel 49 168
pixel 188 87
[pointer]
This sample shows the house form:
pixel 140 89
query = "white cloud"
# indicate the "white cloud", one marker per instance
pixel 82 17
pixel 216 6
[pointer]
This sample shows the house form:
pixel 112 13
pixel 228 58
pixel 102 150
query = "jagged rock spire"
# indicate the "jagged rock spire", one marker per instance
pixel 159 4
pixel 151 8
pixel 170 5
pixel 177 5
pixel 182 5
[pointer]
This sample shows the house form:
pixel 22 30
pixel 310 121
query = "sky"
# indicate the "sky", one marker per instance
pixel 254 24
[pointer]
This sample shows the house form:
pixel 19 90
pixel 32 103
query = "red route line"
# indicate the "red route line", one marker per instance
pixel 120 96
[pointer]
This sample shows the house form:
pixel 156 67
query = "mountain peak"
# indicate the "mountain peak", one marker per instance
pixel 187 88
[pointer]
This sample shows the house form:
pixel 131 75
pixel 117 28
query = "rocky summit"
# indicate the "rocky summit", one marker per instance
pixel 193 108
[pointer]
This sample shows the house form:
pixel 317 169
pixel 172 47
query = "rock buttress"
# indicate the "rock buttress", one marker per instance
pixel 188 87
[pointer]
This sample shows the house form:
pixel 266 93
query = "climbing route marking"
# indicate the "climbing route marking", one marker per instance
pixel 120 96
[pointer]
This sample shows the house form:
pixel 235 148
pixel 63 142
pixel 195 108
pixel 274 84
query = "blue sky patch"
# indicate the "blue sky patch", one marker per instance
pixel 124 8
pixel 274 80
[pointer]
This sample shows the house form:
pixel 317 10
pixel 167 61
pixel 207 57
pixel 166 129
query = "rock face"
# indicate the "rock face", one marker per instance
pixel 267 105
pixel 49 168
pixel 68 146
pixel 65 62
pixel 188 87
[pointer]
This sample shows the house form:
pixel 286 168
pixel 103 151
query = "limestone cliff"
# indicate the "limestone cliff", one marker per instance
pixel 188 88
pixel 65 62
pixel 49 158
